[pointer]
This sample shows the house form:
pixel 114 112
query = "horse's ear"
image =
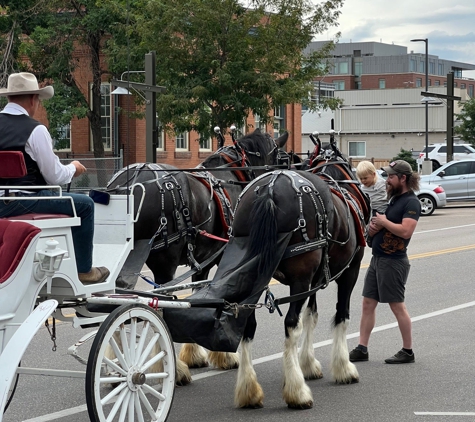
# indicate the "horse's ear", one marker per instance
pixel 281 140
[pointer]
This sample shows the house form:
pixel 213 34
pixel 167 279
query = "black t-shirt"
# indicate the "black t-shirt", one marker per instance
pixel 384 242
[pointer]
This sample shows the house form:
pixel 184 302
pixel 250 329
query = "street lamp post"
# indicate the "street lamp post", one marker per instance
pixel 426 164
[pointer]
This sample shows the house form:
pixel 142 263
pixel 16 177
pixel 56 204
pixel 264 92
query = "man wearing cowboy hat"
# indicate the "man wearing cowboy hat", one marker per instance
pixel 20 132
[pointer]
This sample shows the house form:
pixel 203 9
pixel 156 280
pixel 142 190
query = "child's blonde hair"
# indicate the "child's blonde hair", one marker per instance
pixel 365 168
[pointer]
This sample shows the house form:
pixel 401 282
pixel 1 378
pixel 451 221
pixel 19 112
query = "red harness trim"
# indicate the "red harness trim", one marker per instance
pixel 212 236
pixel 220 205
pixel 239 174
pixel 354 213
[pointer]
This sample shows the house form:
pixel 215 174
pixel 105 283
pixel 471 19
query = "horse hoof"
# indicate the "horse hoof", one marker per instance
pixel 300 406
pixel 182 382
pixel 254 406
pixel 199 365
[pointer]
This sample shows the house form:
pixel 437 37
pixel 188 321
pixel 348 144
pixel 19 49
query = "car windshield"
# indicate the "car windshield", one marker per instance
pixel 430 149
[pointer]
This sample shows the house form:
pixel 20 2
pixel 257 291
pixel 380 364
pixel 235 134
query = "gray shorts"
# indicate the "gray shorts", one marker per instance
pixel 385 280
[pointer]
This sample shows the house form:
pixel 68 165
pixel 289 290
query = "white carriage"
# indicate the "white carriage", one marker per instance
pixel 40 279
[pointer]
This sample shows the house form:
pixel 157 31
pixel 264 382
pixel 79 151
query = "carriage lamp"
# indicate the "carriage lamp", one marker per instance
pixel 50 259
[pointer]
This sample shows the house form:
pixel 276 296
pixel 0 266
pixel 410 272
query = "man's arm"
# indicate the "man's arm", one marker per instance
pixel 405 229
pixel 40 149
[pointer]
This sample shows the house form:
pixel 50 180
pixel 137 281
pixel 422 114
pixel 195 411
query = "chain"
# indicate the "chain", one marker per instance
pixel 52 333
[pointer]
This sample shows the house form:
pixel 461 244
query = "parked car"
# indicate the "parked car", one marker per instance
pixel 431 196
pixel 438 154
pixel 457 178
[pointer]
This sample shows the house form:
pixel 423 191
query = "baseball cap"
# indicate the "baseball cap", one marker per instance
pixel 398 166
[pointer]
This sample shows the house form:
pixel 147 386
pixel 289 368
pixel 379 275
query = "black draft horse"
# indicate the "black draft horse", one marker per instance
pixel 179 206
pixel 325 224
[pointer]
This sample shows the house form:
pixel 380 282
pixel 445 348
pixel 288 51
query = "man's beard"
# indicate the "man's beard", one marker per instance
pixel 393 191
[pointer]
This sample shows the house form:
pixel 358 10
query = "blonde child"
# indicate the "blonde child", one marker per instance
pixel 375 187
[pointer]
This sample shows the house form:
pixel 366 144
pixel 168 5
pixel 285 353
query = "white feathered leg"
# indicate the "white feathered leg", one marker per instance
pixel 248 392
pixel 296 392
pixel 224 360
pixel 193 355
pixel 311 367
pixel 343 371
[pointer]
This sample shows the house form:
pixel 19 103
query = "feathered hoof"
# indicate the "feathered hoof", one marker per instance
pixel 224 360
pixel 253 406
pixel 300 406
pixel 183 374
pixel 351 380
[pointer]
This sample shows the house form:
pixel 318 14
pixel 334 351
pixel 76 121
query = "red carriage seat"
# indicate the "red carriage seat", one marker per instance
pixel 12 167
pixel 15 237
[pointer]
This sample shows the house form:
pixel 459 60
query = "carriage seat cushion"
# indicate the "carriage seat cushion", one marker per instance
pixel 34 216
pixel 15 237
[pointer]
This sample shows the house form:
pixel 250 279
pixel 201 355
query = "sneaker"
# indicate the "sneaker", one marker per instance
pixel 96 275
pixel 401 357
pixel 357 355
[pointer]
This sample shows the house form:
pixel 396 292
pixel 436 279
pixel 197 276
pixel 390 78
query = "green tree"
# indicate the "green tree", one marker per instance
pixel 467 128
pixel 406 155
pixel 220 60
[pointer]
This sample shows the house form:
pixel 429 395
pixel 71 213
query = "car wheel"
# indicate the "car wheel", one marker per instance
pixel 435 165
pixel 428 205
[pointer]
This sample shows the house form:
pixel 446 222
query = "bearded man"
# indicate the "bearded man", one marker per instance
pixel 385 280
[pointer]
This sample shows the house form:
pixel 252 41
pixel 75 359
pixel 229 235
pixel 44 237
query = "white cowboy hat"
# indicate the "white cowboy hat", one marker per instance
pixel 25 83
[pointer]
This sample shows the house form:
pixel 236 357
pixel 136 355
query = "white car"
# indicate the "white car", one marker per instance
pixel 431 196
pixel 438 154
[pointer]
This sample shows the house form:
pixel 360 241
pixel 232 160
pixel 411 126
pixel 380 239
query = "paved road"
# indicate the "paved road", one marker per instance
pixel 440 385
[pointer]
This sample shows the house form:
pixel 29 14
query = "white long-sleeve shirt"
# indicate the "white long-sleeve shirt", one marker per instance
pixel 39 147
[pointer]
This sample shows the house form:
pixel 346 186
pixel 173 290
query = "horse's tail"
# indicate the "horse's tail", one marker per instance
pixel 263 229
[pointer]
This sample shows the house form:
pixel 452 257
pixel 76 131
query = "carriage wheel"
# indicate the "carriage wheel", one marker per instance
pixel 123 382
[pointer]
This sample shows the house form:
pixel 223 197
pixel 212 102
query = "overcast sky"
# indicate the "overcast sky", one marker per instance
pixel 449 26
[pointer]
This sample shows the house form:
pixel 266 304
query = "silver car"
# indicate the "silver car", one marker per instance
pixel 431 196
pixel 457 178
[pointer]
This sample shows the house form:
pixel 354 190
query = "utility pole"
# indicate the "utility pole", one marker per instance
pixel 450 117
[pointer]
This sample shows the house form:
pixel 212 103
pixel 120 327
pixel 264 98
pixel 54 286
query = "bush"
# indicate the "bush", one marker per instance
pixel 407 156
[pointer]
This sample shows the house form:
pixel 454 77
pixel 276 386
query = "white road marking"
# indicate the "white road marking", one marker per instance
pixel 444 413
pixel 208 374
pixel 443 228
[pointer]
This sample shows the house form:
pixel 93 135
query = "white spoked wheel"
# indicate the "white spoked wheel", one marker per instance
pixel 130 372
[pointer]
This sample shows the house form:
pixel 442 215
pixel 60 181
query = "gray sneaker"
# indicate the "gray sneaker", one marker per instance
pixel 401 357
pixel 357 355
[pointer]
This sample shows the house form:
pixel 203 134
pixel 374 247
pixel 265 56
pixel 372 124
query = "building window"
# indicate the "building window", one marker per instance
pixel 205 144
pixel 457 72
pixel 258 124
pixel 382 83
pixel 470 91
pixel 63 139
pixel 279 120
pixel 432 68
pixel 160 137
pixel 422 66
pixel 357 148
pixel 441 69
pixel 181 141
pixel 445 84
pixel 430 82
pixel 343 68
pixel 358 85
pixel 463 86
pixel 437 83
pixel 106 116
pixel 418 82
pixel 339 85
pixel 358 68
pixel 412 65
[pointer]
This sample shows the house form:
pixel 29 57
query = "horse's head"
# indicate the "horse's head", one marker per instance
pixel 259 148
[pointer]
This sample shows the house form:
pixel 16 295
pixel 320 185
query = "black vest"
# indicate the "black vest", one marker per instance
pixel 14 132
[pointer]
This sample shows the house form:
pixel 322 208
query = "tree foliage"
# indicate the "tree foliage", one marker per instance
pixel 467 128
pixel 406 155
pixel 221 60
pixel 45 38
